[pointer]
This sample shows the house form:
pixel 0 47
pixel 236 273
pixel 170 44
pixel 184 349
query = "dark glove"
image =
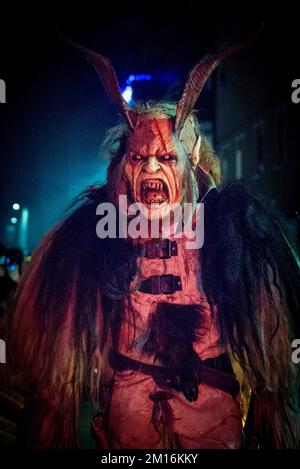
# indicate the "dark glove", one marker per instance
pixel 184 377
pixel 173 329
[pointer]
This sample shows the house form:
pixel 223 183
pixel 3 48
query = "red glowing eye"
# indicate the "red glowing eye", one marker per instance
pixel 167 157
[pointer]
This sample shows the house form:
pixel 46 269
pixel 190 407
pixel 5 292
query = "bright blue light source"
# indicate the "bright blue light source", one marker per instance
pixel 127 94
pixel 140 77
pixel 14 220
pixel 130 79
pixel 127 90
pixel 16 206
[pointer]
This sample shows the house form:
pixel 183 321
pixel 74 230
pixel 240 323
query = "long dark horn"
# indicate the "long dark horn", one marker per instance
pixel 198 77
pixel 107 75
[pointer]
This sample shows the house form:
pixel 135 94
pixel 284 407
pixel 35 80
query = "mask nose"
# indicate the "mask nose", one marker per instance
pixel 151 166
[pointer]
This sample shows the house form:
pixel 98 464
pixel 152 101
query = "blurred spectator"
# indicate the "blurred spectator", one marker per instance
pixel 11 268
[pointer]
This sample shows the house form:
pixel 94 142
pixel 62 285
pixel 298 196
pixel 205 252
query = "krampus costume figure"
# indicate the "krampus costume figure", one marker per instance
pixel 149 329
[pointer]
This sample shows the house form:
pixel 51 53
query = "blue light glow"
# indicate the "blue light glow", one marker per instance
pixel 140 77
pixel 16 206
pixel 127 94
pixel 127 90
pixel 14 220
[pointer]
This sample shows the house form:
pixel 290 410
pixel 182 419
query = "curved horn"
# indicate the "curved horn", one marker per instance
pixel 198 76
pixel 107 75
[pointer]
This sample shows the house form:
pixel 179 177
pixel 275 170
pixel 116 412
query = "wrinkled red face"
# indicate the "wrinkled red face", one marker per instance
pixel 153 167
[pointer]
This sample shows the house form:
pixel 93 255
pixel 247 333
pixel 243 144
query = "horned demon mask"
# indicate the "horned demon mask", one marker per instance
pixel 163 157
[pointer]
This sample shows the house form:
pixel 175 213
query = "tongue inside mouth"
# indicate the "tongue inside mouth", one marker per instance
pixel 155 197
pixel 154 191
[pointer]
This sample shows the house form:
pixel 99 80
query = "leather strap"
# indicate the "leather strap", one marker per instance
pixel 160 249
pixel 223 380
pixel 157 284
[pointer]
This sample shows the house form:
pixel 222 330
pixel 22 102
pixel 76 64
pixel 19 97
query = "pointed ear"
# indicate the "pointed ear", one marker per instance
pixel 195 156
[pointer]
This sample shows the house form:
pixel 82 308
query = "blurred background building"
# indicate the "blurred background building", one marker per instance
pixel 257 124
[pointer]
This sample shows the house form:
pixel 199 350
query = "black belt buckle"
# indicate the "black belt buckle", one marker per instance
pixel 166 284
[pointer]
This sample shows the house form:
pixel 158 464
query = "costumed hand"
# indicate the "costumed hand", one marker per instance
pixel 184 377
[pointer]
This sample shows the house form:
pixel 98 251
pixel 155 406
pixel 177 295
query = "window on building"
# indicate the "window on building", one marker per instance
pixel 224 167
pixel 239 157
pixel 225 158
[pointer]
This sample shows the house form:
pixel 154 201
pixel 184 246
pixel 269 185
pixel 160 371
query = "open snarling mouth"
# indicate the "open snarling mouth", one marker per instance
pixel 154 191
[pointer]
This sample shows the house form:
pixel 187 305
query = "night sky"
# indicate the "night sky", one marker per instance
pixel 57 112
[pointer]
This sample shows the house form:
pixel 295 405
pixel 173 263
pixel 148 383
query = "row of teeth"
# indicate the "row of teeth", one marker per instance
pixel 154 185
